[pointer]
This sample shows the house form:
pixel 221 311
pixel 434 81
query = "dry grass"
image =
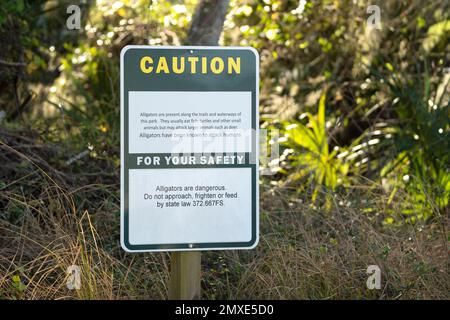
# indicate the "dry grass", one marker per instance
pixel 306 254
pixel 50 220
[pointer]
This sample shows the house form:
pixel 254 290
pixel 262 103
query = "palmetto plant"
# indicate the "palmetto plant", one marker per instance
pixel 411 152
pixel 421 146
pixel 312 158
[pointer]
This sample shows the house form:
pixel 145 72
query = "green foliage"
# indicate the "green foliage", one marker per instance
pixel 378 97
pixel 86 93
pixel 16 288
pixel 383 123
pixel 312 158
pixel 421 147
pixel 11 7
pixel 438 32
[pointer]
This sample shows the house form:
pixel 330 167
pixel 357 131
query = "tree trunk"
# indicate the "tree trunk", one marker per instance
pixel 205 30
pixel 207 23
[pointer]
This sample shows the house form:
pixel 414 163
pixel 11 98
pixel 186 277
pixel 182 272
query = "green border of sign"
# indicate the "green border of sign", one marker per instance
pixel 131 79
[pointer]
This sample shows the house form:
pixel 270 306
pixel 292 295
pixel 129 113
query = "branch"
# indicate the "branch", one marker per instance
pixel 12 64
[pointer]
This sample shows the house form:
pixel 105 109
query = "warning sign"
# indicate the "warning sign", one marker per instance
pixel 189 148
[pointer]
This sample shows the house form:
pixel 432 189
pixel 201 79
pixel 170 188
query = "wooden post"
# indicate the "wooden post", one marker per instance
pixel 205 30
pixel 185 276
